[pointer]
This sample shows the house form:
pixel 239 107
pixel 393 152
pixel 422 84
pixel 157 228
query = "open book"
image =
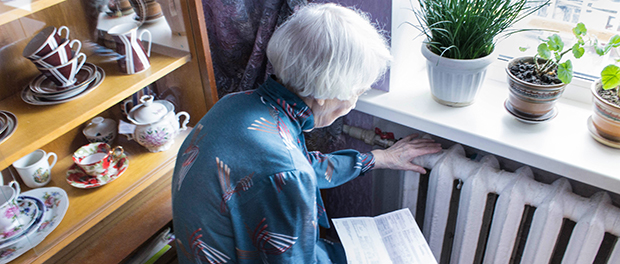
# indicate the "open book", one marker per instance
pixel 388 238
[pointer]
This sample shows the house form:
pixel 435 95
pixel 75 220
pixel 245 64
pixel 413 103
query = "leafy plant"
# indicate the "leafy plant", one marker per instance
pixel 552 50
pixel 469 29
pixel 610 76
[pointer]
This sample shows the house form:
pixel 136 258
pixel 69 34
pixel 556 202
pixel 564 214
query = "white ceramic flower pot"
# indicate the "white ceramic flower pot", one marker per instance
pixel 455 82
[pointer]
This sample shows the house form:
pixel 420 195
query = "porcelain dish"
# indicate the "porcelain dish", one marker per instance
pixel 28 214
pixel 34 225
pixel 11 121
pixel 77 178
pixel 30 98
pixel 53 203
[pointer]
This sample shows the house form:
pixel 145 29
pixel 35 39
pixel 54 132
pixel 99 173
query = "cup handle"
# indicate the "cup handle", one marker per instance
pixel 15 186
pixel 148 53
pixel 114 150
pixel 52 154
pixel 81 63
pixel 184 124
pixel 79 47
pixel 60 31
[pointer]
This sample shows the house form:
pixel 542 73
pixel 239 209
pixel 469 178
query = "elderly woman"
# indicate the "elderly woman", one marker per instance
pixel 245 188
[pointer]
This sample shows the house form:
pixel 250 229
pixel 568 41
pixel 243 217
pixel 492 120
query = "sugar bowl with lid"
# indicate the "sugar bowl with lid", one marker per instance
pixel 156 123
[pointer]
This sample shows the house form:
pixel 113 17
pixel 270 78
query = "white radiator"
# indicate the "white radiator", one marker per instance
pixel 537 238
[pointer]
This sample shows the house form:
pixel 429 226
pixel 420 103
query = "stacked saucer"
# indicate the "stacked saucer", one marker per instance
pixel 43 91
pixel 42 209
pixel 8 124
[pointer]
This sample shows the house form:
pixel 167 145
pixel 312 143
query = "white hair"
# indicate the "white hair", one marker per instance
pixel 327 51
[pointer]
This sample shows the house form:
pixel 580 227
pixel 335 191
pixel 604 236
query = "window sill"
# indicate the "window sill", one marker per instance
pixel 562 146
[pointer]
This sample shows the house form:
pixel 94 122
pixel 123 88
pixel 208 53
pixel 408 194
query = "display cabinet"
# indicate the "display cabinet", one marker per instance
pixel 103 224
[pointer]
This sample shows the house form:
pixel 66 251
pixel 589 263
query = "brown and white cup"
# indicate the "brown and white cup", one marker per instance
pixel 60 55
pixel 64 75
pixel 44 42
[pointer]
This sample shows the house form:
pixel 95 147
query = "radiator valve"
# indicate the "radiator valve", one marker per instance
pixel 370 137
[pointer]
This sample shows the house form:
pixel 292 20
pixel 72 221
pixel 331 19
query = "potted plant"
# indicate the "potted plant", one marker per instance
pixel 460 40
pixel 537 82
pixel 604 124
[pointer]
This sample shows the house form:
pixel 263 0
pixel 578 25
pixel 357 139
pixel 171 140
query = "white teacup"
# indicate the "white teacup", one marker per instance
pixel 9 210
pixel 35 169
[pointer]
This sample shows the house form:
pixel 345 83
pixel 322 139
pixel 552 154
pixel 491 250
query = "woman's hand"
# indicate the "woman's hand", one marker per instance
pixel 400 155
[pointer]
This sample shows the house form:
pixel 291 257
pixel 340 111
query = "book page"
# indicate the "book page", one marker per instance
pixel 361 240
pixel 403 239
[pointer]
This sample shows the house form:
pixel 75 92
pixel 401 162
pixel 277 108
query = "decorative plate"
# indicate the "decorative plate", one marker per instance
pixel 77 178
pixel 54 204
pixel 3 123
pixel 28 214
pixel 30 97
pixel 11 125
pixel 594 133
pixel 525 119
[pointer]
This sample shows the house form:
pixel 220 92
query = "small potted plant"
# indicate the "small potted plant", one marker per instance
pixel 604 124
pixel 537 82
pixel 460 40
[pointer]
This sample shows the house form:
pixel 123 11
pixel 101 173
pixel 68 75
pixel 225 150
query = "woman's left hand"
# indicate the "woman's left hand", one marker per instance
pixel 400 155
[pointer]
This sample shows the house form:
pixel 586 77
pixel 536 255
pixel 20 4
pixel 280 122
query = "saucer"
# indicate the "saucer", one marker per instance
pixel 3 123
pixel 11 125
pixel 77 178
pixel 30 98
pixel 37 211
pixel 529 119
pixel 594 133
pixel 28 212
pixel 54 206
pixel 42 85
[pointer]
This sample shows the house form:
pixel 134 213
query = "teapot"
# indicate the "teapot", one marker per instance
pixel 156 123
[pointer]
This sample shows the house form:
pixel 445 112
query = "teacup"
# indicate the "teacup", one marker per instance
pixel 35 168
pixel 95 158
pixel 64 75
pixel 9 210
pixel 60 55
pixel 153 10
pixel 44 42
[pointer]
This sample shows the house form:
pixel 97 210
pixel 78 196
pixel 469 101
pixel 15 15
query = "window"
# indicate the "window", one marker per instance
pixel 601 17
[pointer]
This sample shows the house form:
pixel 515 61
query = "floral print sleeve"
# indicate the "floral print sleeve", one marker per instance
pixel 339 167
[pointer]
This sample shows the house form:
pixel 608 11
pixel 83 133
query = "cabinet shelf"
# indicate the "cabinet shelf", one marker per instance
pixel 15 9
pixel 39 125
pixel 88 207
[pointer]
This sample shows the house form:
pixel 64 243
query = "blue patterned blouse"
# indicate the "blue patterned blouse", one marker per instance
pixel 246 190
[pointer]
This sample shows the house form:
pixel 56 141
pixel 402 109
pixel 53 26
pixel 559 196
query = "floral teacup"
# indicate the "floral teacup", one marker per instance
pixel 95 158
pixel 9 209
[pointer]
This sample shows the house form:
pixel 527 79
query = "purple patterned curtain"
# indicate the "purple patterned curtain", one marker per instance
pixel 239 31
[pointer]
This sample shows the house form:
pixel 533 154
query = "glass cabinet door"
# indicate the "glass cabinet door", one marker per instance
pixel 71 71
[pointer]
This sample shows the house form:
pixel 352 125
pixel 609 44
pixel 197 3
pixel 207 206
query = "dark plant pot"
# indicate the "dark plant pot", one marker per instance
pixel 606 117
pixel 528 99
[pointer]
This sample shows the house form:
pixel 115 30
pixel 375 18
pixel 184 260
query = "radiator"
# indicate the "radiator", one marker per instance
pixel 474 212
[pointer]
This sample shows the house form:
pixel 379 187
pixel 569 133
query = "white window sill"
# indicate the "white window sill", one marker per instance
pixel 562 146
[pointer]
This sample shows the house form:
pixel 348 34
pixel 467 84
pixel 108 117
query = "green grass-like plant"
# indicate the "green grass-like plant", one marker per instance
pixel 469 29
